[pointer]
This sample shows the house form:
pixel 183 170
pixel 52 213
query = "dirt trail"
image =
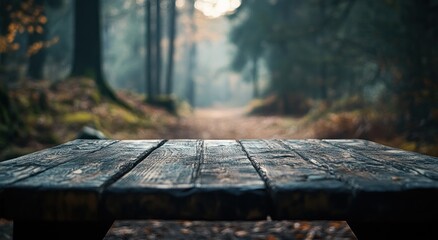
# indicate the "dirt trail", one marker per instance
pixel 233 123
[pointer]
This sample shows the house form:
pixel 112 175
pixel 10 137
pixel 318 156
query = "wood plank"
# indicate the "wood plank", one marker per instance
pixel 395 194
pixel 397 158
pixel 71 190
pixel 359 171
pixel 190 179
pixel 19 168
pixel 299 188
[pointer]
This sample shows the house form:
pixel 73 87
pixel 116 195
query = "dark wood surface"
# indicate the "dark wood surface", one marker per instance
pixel 93 180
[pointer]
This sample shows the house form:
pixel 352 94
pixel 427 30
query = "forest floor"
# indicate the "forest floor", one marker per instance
pixel 233 123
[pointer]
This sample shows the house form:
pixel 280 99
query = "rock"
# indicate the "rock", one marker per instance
pixel 90 133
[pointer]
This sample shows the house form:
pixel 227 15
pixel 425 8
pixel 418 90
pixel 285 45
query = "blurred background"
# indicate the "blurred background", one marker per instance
pixel 142 69
pixel 137 69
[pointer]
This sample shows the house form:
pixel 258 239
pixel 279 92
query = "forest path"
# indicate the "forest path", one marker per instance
pixel 232 123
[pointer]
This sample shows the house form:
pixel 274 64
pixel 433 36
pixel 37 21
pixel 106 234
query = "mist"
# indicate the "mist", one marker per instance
pixel 124 53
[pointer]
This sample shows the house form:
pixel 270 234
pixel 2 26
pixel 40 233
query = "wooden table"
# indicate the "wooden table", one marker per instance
pixel 78 189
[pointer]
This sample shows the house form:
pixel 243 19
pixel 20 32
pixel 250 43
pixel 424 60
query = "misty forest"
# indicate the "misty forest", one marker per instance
pixel 218 69
pixel 141 69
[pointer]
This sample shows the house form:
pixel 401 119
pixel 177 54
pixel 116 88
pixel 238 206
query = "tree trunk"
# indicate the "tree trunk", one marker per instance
pixel 149 82
pixel 255 79
pixel 87 45
pixel 5 20
pixel 322 39
pixel 191 77
pixel 158 47
pixel 192 57
pixel 172 32
pixel 35 69
pixel 5 107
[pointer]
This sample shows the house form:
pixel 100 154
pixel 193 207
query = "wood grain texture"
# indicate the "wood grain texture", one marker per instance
pixel 71 190
pixel 380 191
pixel 359 171
pixel 89 180
pixel 19 168
pixel 412 162
pixel 299 188
pixel 190 179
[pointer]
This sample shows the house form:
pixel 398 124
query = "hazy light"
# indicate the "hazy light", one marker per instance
pixel 217 8
pixel 180 3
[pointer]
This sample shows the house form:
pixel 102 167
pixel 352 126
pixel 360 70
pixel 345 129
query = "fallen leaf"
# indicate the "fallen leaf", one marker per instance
pixel 241 233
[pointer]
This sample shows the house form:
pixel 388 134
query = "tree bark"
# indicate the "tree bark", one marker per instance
pixel 255 79
pixel 158 47
pixel 149 81
pixel 5 20
pixel 192 57
pixel 87 60
pixel 172 32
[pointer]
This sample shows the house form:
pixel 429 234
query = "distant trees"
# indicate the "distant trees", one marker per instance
pixel 156 84
pixel 250 46
pixel 149 68
pixel 331 49
pixel 171 51
pixel 191 61
pixel 153 49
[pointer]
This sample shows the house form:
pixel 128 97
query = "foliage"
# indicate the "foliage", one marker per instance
pixel 331 50
pixel 23 17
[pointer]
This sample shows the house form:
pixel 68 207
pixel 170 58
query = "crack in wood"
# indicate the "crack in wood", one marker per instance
pixel 199 162
pixel 263 175
pixel 269 186
pixel 128 168
pixel 324 165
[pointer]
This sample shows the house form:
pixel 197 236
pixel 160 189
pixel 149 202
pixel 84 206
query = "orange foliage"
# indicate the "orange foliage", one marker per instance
pixel 28 17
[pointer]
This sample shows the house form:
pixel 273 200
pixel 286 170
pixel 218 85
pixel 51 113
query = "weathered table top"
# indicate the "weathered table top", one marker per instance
pixel 218 180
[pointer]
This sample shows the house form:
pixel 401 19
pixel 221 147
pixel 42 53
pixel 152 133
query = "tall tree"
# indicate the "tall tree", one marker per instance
pixel 158 46
pixel 255 78
pixel 191 91
pixel 172 31
pixel 5 20
pixel 87 59
pixel 250 42
pixel 149 74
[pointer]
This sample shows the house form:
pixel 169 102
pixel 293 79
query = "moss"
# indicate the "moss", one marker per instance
pixel 79 118
pixel 409 146
pixel 95 96
pixel 124 115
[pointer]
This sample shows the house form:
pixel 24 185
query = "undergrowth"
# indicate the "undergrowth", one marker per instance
pixel 52 114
